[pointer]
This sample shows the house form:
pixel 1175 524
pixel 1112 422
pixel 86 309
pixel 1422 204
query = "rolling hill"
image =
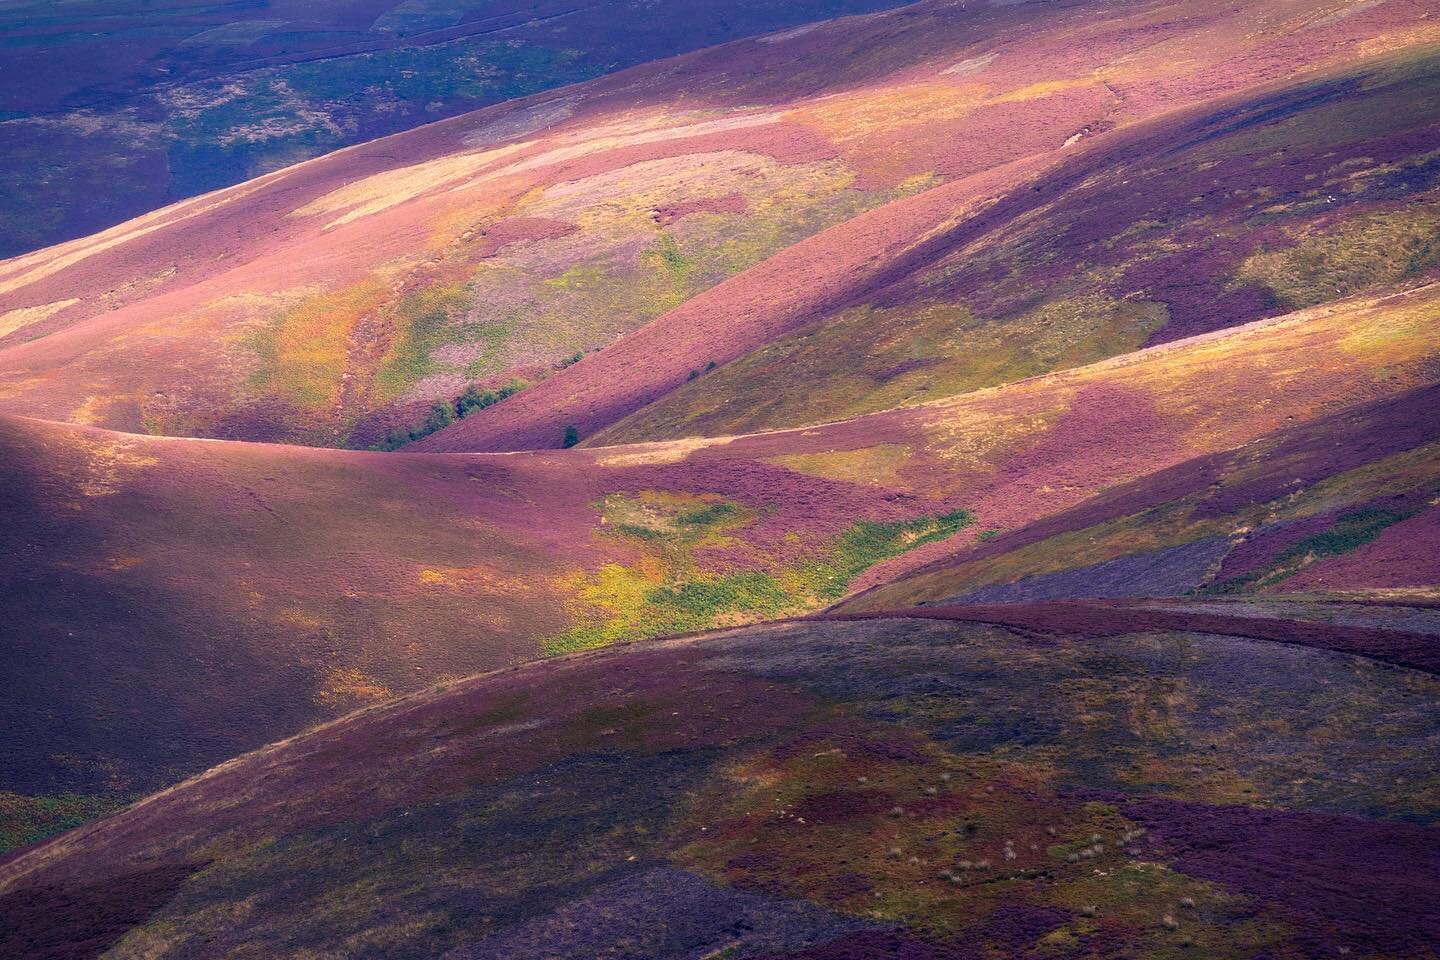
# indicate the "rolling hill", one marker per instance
pixel 110 110
pixel 955 482
pixel 675 216
pixel 1346 504
pixel 922 789
pixel 143 575
pixel 1272 202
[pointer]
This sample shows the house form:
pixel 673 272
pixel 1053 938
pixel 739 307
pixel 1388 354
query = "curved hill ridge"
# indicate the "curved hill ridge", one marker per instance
pixel 995 440
pixel 1142 240
pixel 1309 508
pixel 332 302
pixel 333 579
pixel 801 790
pixel 123 109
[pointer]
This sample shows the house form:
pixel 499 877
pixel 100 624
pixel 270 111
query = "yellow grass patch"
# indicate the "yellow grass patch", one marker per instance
pixel 110 462
pixel 12 320
pixel 879 464
pixel 670 451
pixel 1047 88
pixel 303 355
pixel 348 687
pixel 381 191
pixel 846 118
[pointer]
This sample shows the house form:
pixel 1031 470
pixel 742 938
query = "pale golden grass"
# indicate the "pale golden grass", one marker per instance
pixel 848 117
pixel 880 464
pixel 381 191
pixel 111 461
pixel 666 451
pixel 13 320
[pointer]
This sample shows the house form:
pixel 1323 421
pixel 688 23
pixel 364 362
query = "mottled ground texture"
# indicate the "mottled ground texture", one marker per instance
pixel 143 575
pixel 797 227
pixel 1345 504
pixel 994 443
pixel 110 108
pixel 894 787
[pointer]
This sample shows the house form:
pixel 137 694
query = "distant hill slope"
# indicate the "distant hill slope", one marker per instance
pixel 1348 504
pixel 902 788
pixel 1247 207
pixel 333 302
pixel 171 602
pixel 1287 199
pixel 111 109
pixel 916 312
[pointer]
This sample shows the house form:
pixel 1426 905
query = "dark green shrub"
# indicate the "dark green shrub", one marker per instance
pixel 473 399
pixel 441 416
pixel 1352 529
pixel 572 437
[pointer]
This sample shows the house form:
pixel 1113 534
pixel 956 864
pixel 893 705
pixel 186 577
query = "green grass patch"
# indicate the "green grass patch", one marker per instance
pixel 1353 257
pixel 667 594
pixel 302 354
pixel 1351 530
pixel 668 257
pixel 867 359
pixel 420 324
pixel 28 819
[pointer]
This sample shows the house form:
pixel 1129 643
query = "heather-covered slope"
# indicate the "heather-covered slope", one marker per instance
pixel 1278 201
pixel 110 108
pixel 170 603
pixel 1347 504
pixel 332 302
pixel 1250 206
pixel 905 788
pixel 145 575
pixel 1061 376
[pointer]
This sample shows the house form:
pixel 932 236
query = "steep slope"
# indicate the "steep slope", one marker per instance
pixel 333 302
pixel 915 789
pixel 143 576
pixel 1347 504
pixel 110 109
pixel 1284 200
pixel 1247 207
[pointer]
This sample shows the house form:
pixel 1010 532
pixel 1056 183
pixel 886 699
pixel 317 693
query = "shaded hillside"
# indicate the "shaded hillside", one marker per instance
pixel 143 578
pixel 111 109
pixel 145 575
pixel 1346 504
pixel 1278 201
pixel 903 788
pixel 1250 206
pixel 333 302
